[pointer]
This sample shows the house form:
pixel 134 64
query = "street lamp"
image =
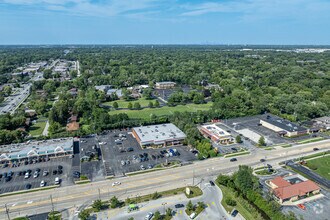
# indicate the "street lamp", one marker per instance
pixel 164 203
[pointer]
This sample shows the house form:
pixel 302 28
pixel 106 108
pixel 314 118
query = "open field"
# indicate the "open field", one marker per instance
pixel 37 128
pixel 322 165
pixel 166 110
pixel 124 104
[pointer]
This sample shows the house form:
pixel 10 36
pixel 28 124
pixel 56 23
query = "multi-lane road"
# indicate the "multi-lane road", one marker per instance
pixel 73 196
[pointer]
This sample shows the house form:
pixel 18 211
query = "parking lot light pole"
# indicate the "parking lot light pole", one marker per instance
pixel 164 203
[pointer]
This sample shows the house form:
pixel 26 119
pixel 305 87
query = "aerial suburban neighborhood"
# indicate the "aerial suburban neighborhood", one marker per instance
pixel 164 110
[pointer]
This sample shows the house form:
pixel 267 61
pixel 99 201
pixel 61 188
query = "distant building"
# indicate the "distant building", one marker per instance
pixel 164 85
pixel 103 88
pixel 281 126
pixel 118 92
pixel 158 135
pixel 323 123
pixel 292 188
pixel 216 134
pixel 36 149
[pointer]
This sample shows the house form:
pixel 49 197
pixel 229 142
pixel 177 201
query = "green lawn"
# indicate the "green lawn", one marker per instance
pixel 37 128
pixel 124 104
pixel 165 110
pixel 322 164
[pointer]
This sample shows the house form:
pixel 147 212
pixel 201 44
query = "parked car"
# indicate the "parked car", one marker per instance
pixel 130 149
pixel 27 175
pixel 76 174
pixel 177 206
pixel 42 183
pixel 233 159
pixel 8 178
pixel 212 183
pixel 45 173
pixel 36 174
pixel 149 216
pixel 142 167
pixel 234 213
pixel 57 180
pixel 150 166
pixel 28 186
pixel 59 167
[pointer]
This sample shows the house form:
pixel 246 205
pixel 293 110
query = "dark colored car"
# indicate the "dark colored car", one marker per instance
pixel 54 172
pixel 153 157
pixel 29 171
pixel 76 174
pixel 233 159
pixel 262 160
pixel 38 170
pixel 28 186
pixel 234 213
pixel 59 167
pixel 212 183
pixel 130 149
pixel 60 171
pixel 177 206
pixel 8 178
pixel 315 149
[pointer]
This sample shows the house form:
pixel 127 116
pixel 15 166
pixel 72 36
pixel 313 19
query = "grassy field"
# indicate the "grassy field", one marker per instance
pixel 124 104
pixel 311 140
pixel 166 110
pixel 37 128
pixel 322 164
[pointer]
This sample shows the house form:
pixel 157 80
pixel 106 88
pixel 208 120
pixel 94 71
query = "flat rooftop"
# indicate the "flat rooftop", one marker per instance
pixel 214 130
pixel 282 123
pixel 159 133
pixel 44 145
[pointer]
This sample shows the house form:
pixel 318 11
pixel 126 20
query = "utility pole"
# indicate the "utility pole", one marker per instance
pixel 99 194
pixel 51 200
pixel 7 211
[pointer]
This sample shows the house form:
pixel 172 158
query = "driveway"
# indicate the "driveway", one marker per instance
pixel 212 196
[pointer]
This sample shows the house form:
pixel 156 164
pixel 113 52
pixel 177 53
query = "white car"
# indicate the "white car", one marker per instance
pixel 116 183
pixel 102 143
pixel 42 183
pixel 27 175
pixel 36 174
pixel 149 216
pixel 45 173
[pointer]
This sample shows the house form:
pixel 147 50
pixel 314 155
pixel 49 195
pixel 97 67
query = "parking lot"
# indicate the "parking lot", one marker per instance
pixel 127 155
pixel 250 125
pixel 317 209
pixel 19 182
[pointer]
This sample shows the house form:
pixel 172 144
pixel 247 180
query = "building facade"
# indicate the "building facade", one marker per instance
pixel 165 85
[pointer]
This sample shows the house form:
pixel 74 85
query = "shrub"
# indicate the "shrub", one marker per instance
pixel 230 202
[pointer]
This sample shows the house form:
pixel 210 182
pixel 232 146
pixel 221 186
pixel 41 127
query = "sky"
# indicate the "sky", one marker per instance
pixel 276 22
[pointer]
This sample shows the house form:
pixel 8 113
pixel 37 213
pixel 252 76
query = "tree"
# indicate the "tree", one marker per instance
pixel 114 202
pixel 156 195
pixel 190 206
pixel 7 90
pixel 238 139
pixel 130 218
pixel 157 104
pixel 137 105
pixel 262 141
pixel 115 105
pixel 84 214
pixel 169 212
pixel 97 204
pixel 147 93
pixel 130 106
pixel 151 104
pixel 230 202
pixel 157 216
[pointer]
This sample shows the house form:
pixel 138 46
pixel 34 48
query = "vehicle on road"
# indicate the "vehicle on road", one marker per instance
pixel 149 216
pixel 177 206
pixel 233 159
pixel 192 216
pixel 130 149
pixel 315 149
pixel 262 160
pixel 116 183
